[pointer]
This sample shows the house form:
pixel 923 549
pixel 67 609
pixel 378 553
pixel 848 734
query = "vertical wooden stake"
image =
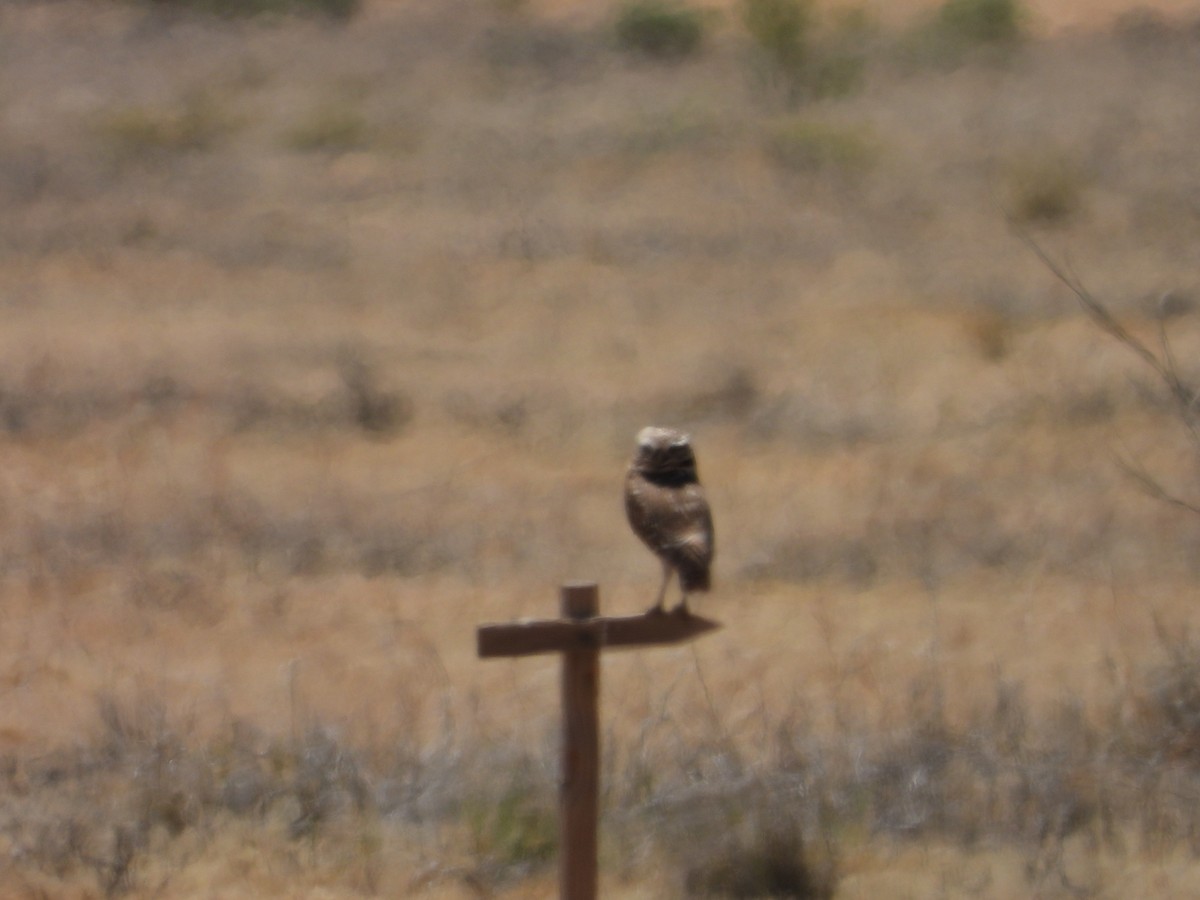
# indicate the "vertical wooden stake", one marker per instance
pixel 579 790
pixel 579 636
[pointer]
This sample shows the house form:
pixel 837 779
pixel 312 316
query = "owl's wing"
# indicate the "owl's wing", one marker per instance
pixel 694 538
pixel 673 521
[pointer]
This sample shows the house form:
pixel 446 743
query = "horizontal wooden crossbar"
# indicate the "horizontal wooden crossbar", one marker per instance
pixel 525 638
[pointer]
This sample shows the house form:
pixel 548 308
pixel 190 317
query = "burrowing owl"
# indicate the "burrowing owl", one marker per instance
pixel 667 509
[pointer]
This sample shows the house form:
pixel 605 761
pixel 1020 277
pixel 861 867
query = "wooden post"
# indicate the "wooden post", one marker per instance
pixel 580 775
pixel 579 636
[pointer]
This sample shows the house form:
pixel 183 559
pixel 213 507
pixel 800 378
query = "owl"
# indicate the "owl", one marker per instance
pixel 668 511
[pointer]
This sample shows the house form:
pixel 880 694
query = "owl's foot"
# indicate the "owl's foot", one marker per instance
pixel 681 609
pixel 656 610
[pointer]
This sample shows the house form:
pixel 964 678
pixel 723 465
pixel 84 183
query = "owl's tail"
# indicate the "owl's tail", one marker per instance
pixel 694 577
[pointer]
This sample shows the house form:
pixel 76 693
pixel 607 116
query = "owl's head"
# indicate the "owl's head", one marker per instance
pixel 664 450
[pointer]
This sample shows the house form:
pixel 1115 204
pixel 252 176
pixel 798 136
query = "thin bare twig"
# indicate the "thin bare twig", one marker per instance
pixel 1108 323
pixel 1152 488
pixel 1164 365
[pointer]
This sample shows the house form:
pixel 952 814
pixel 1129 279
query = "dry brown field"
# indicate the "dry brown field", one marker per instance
pixel 321 344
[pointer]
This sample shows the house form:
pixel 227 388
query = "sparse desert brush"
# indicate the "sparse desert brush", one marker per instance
pixel 1166 723
pixel 774 818
pixel 689 127
pixel 959 28
pixel 781 31
pixel 992 335
pixel 329 127
pixel 982 21
pixel 528 45
pixel 1045 188
pixel 846 43
pixel 801 57
pixel 660 29
pixel 195 122
pixel 513 832
pixel 806 145
pixel 754 836
pixel 837 70
pixel 334 9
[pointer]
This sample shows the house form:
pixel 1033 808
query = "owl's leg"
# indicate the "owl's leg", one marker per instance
pixel 682 608
pixel 662 591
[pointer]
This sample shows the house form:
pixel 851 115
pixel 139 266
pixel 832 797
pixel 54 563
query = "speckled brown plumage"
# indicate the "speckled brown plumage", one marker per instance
pixel 667 508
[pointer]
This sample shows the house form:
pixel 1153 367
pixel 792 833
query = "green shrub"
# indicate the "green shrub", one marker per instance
pixel 330 127
pixel 840 56
pixel 195 123
pixel 660 29
pixel 962 26
pixel 981 21
pixel 793 56
pixel 802 145
pixel 835 73
pixel 1046 188
pixel 781 29
pixel 334 9
pixel 516 830
pixel 679 128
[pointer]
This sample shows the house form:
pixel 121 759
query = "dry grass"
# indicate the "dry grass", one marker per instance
pixel 280 427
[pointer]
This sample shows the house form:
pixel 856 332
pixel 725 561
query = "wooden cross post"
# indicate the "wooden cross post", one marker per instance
pixel 579 636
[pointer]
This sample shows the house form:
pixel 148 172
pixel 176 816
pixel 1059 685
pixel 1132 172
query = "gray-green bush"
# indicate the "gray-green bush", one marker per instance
pixel 660 29
pixel 334 9
pixel 794 56
pixel 981 21
pixel 780 28
pixel 960 27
